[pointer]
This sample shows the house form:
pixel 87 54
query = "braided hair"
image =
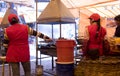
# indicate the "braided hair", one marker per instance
pixel 99 26
pixel 14 20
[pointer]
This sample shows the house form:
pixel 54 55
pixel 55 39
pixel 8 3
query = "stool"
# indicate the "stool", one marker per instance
pixel 3 59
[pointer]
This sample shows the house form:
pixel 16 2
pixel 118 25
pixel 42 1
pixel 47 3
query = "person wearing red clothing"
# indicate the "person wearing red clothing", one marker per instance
pixel 16 42
pixel 94 35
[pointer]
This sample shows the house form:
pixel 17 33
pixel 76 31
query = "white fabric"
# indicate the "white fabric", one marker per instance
pixel 5 22
pixel 77 5
pixel 68 3
pixel 23 2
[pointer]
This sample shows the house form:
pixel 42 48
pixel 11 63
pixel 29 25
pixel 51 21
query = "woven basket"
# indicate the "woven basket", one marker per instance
pixel 110 66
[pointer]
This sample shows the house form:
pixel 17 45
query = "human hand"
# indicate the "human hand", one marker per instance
pixel 84 58
pixel 48 40
pixel 3 58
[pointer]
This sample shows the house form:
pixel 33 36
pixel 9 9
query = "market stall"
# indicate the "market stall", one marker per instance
pixel 61 16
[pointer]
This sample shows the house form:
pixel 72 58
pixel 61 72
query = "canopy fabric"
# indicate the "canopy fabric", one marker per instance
pixel 71 4
pixel 86 7
pixel 4 22
pixel 93 6
pixel 83 3
pixel 42 0
pixel 108 10
pixel 29 3
pixel 56 12
pixel 68 3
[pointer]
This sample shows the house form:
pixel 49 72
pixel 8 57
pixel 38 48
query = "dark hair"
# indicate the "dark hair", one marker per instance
pixel 117 18
pixel 98 29
pixel 14 21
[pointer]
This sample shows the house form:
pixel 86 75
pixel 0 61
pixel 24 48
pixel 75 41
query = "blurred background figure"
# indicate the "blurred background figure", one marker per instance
pixel 117 21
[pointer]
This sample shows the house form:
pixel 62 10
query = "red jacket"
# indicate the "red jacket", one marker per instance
pixel 96 42
pixel 18 47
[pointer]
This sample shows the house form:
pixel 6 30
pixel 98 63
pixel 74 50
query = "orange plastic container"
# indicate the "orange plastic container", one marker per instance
pixel 65 50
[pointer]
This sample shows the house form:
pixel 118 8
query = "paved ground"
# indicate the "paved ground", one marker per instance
pixel 47 65
pixel 47 68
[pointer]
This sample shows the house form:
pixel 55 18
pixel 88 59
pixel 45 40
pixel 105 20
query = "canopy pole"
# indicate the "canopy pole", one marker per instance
pixel 60 30
pixel 79 23
pixel 75 30
pixel 52 31
pixel 36 36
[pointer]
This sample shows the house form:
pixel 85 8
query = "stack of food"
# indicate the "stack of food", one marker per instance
pixel 114 44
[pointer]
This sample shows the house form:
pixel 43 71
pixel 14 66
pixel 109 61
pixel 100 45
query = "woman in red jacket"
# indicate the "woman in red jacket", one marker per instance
pixel 16 42
pixel 94 34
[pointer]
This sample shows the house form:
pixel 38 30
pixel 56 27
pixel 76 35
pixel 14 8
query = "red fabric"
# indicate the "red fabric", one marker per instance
pixel 18 48
pixel 96 42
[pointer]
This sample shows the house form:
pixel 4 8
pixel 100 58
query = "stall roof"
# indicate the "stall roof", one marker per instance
pixel 83 3
pixel 68 3
pixel 106 8
pixel 4 22
pixel 56 12
pixel 75 5
pixel 29 3
pixel 91 6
